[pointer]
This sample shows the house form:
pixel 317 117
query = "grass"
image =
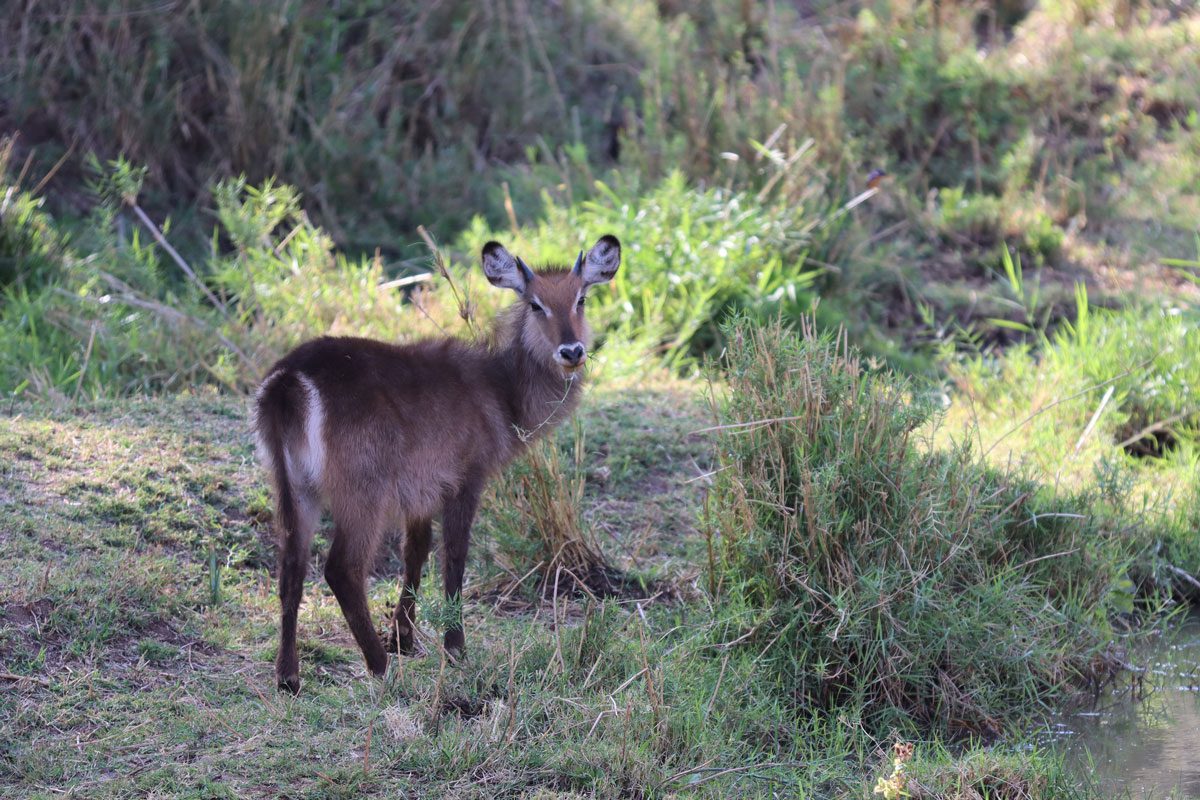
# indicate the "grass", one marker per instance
pixel 1107 407
pixel 988 478
pixel 138 683
pixel 920 588
pixel 194 667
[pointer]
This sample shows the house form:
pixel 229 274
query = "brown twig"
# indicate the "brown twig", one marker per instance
pixel 178 259
pixel 9 676
pixel 461 299
pixel 53 170
pixel 718 772
pixel 751 423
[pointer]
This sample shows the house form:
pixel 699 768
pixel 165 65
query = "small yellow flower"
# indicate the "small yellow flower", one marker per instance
pixel 892 787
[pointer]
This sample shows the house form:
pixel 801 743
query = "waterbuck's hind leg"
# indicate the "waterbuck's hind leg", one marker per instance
pixel 296 515
pixel 346 570
pixel 457 518
pixel 403 623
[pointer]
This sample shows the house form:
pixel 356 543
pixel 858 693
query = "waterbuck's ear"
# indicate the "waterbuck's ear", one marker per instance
pixel 601 262
pixel 503 270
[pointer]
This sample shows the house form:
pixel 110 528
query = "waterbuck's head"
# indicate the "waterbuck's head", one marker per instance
pixel 553 326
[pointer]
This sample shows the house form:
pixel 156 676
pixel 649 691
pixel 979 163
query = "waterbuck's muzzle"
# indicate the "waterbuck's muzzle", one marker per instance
pixel 570 356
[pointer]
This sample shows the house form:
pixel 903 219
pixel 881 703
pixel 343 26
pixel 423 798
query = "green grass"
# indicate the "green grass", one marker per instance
pixel 1107 407
pixel 138 683
pixel 879 571
pixel 924 589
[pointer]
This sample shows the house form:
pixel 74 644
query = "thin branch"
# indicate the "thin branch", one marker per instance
pixel 53 170
pixel 178 259
pixel 718 772
pixel 1155 427
pixel 1087 431
pixel 1187 576
pixel 751 423
pixel 129 295
pixel 8 676
pixel 408 280
pixel 462 300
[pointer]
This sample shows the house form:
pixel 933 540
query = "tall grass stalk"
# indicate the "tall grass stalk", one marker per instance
pixel 541 539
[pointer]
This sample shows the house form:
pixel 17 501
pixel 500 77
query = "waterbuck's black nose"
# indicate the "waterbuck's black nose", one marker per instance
pixel 571 353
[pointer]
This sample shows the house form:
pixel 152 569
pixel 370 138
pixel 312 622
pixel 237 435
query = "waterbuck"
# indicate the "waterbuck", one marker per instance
pixel 387 436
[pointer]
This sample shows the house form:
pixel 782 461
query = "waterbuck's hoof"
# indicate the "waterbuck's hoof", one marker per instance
pixel 401 641
pixel 456 647
pixel 403 645
pixel 378 667
pixel 289 684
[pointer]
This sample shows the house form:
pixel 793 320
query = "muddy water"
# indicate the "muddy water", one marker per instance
pixel 1145 745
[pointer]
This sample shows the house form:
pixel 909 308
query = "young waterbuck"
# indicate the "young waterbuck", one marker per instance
pixel 385 436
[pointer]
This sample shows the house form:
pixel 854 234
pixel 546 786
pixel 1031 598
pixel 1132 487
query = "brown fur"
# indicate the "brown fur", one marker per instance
pixel 387 436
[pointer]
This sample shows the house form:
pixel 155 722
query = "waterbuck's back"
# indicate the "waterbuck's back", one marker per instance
pixel 399 428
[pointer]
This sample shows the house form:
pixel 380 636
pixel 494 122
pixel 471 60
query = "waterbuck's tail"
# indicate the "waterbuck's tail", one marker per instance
pixel 279 410
pixel 288 419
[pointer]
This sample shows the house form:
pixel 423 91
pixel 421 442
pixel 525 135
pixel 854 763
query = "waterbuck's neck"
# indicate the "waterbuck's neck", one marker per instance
pixel 536 393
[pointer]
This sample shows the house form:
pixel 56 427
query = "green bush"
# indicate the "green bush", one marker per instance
pixel 692 257
pixel 979 224
pixel 126 319
pixel 920 587
pixel 380 113
pixel 31 249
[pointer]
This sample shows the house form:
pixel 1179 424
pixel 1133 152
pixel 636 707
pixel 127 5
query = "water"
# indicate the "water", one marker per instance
pixel 1145 745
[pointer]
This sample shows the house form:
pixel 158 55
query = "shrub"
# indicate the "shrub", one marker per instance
pixel 920 587
pixel 979 224
pixel 31 248
pixel 380 113
pixel 693 256
pixel 538 538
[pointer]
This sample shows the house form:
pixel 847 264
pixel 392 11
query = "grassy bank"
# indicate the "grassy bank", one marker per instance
pixel 799 602
pixel 147 672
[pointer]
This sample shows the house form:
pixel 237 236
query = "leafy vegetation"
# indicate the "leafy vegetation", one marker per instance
pixel 959 513
pixel 917 587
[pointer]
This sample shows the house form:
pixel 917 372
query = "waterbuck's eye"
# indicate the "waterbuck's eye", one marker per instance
pixel 536 307
pixel 580 303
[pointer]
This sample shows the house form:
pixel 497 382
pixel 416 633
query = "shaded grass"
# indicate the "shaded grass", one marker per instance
pixel 1107 408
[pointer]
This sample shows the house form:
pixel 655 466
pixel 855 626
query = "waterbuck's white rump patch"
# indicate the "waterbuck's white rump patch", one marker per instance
pixel 308 463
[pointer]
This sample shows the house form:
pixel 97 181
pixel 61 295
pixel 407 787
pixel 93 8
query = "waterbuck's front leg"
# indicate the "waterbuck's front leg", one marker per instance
pixel 457 517
pixel 403 624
